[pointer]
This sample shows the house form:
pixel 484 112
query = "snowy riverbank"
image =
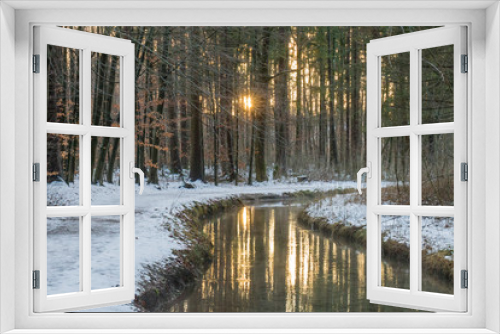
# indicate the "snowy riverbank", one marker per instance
pixel 437 233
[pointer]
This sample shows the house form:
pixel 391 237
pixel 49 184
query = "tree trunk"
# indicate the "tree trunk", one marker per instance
pixel 253 124
pixel 183 105
pixel 281 111
pixel 215 127
pixel 97 106
pixel 53 151
pixel 322 101
pixel 99 171
pixel 334 160
pixel 74 93
pixel 226 101
pixel 162 71
pixel 236 87
pixel 196 159
pixel 299 140
pixel 140 126
pixel 172 117
pixel 261 100
pixel 341 94
pixel 310 127
pixel 347 83
pixel 115 143
pixel 355 110
pixel 108 92
pixel 252 153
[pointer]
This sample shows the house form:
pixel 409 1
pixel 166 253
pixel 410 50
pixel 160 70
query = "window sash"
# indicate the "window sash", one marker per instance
pixel 413 43
pixel 86 43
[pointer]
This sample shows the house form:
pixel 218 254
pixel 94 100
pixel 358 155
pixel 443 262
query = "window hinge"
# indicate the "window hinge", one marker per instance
pixel 36 63
pixel 465 64
pixel 465 279
pixel 464 171
pixel 36 172
pixel 36 279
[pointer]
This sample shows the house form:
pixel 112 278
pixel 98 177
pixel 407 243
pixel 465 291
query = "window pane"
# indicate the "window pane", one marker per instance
pixel 395 94
pixel 63 255
pixel 63 85
pixel 106 263
pixel 105 89
pixel 63 170
pixel 437 169
pixel 395 171
pixel 437 254
pixel 105 158
pixel 395 266
pixel 437 84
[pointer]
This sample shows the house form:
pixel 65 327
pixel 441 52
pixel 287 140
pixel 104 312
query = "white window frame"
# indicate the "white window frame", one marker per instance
pixel 86 43
pixel 413 44
pixel 484 49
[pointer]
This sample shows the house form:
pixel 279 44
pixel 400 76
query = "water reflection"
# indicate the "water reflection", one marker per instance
pixel 265 262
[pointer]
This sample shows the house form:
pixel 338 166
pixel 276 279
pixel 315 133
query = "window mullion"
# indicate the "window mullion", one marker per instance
pixel 86 170
pixel 434 128
pixel 85 251
pixel 414 173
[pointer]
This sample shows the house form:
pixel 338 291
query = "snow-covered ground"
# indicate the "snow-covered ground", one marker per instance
pixel 157 205
pixel 437 233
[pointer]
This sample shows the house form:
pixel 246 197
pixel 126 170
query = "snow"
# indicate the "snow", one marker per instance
pixel 157 205
pixel 437 232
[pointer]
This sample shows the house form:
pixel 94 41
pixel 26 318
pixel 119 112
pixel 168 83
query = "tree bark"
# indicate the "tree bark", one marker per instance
pixel 172 119
pixel 140 53
pixel 261 104
pixel 226 101
pixel 347 89
pixel 356 112
pixel 196 159
pixel 98 99
pixel 334 160
pixel 322 100
pixel 299 140
pixel 183 105
pixel 108 92
pixel 281 109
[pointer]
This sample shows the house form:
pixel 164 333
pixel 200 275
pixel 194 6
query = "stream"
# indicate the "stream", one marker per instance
pixel 265 261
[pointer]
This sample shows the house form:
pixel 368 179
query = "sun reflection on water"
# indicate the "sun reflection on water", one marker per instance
pixel 264 261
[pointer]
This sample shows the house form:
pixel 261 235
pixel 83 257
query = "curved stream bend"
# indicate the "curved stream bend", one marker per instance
pixel 264 261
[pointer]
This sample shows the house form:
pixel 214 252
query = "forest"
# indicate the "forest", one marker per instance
pixel 250 104
pixel 260 111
